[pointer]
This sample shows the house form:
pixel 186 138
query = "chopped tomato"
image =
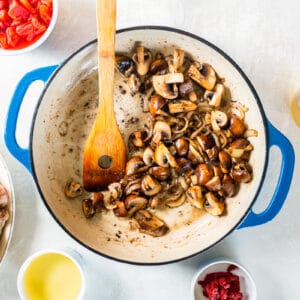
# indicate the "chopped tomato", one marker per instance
pixel 3 4
pixel 22 22
pixel 27 5
pixel 3 41
pixel 17 11
pixel 45 13
pixel 12 37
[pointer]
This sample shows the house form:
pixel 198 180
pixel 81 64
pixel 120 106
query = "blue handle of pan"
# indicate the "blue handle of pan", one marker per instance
pixel 275 138
pixel 22 154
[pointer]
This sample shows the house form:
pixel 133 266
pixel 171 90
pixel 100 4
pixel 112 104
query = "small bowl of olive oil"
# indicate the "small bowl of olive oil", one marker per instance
pixel 51 275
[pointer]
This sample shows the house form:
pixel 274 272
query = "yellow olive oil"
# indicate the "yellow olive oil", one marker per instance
pixel 52 276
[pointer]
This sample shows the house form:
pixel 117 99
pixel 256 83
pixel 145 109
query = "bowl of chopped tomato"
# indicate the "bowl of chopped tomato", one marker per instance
pixel 25 24
pixel 223 279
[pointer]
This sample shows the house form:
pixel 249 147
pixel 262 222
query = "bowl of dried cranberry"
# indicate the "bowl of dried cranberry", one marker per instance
pixel 25 24
pixel 223 279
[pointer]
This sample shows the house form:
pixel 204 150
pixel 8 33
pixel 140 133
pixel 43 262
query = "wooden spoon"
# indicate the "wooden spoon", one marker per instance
pixel 105 151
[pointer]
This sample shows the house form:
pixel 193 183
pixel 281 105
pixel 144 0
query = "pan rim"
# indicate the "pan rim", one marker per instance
pixel 241 73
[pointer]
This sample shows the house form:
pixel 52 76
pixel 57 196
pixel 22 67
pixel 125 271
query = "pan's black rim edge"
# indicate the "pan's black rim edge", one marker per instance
pixel 235 65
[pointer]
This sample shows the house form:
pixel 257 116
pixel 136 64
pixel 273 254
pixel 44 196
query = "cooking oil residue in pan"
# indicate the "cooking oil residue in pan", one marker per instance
pixel 295 108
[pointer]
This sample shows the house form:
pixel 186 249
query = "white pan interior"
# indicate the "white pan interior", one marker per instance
pixel 71 97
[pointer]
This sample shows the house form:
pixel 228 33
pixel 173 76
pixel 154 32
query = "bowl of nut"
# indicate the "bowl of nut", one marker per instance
pixel 197 144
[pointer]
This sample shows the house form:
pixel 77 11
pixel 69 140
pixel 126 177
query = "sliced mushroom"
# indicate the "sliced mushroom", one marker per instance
pixel 186 88
pixel 156 105
pixel 204 173
pixel 134 83
pixel 179 106
pixel 4 216
pixel 228 185
pixel 206 141
pixel 160 173
pixel 225 161
pixel 242 172
pixel 88 208
pixel 109 204
pixel 237 126
pixel 3 196
pixel 219 120
pixel 176 62
pixel 150 224
pixel 133 186
pixel 182 146
pixel 161 132
pixel 213 205
pixel 163 157
pixel 215 96
pixel 172 203
pixel 205 76
pixel 137 138
pixel 184 165
pixel 115 190
pixel 143 59
pixel 159 67
pixel 165 85
pixel 150 186
pixel 135 165
pixel 214 184
pixel 125 65
pixel 98 201
pixel 73 189
pixel 212 153
pixel 194 155
pixel 195 197
pixel 120 210
pixel 134 203
pixel 148 156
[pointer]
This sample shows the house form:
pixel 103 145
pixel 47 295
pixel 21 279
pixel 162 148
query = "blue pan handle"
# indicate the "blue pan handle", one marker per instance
pixel 19 153
pixel 275 138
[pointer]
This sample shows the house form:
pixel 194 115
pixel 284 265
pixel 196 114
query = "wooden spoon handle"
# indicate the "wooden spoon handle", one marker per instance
pixel 106 26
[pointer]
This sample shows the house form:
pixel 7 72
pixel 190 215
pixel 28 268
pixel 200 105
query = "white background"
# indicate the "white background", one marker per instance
pixel 263 37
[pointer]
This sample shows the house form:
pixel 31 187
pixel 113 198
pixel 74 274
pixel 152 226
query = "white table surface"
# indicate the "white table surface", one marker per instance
pixel 263 37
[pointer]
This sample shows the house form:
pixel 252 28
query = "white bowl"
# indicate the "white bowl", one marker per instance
pixel 41 40
pixel 74 256
pixel 247 285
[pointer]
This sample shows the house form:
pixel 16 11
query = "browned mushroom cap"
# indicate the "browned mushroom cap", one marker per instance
pixel 179 106
pixel 194 155
pixel 150 224
pixel 159 67
pixel 228 185
pixel 120 210
pixel 204 76
pixel 194 196
pixel 214 184
pixel 237 126
pixel 163 157
pixel 204 173
pixel 184 165
pixel 150 186
pixel 161 132
pixel 135 165
pixel 239 146
pixel 160 173
pixel 212 153
pixel 225 161
pixel 148 156
pixel 182 146
pixel 137 138
pixel 134 203
pixel 219 120
pixel 115 190
pixel 73 189
pixel 165 85
pixel 206 141
pixel 242 172
pixel 213 205
pixel 88 208
pixel 185 88
pixel 156 104
pixel 215 96
pixel 98 201
pixel 125 65
pixel 143 58
pixel 134 83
